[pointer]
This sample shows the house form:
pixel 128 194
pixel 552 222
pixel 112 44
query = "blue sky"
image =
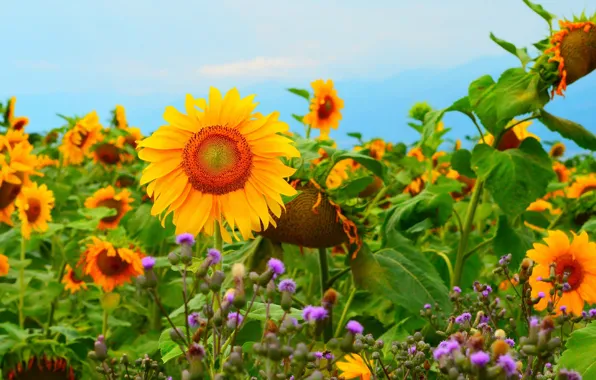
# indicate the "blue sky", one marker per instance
pixel 73 57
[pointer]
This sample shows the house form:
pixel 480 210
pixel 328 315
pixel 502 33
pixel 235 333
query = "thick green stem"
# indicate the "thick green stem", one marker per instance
pixel 328 331
pixel 467 227
pixel 22 287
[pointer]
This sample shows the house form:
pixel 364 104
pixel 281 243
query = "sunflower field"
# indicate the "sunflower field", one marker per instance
pixel 224 246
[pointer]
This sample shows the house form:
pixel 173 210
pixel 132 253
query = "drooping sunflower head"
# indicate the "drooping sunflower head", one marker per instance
pixel 581 186
pixel 35 204
pixel 4 266
pixel 575 265
pixel 120 117
pixel 325 107
pixel 557 150
pixel 219 161
pixel 513 138
pixel 72 282
pixel 42 368
pixel 110 266
pixel 77 142
pixel 108 153
pixel 107 197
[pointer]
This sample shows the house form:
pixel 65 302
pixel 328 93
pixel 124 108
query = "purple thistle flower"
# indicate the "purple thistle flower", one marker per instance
pixel 185 238
pixel 569 375
pixel 276 266
pixel 480 358
pixel 510 342
pixel 541 295
pixel 354 327
pixel 592 313
pixel 148 262
pixel 508 364
pixel 194 320
pixel 214 256
pixel 563 309
pixel 457 289
pixel 461 319
pixel 235 317
pixel 427 306
pixel 287 285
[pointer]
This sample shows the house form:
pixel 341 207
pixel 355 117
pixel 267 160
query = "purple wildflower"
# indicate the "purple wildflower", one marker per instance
pixel 510 342
pixel 457 289
pixel 508 364
pixel 276 266
pixel 541 295
pixel 148 262
pixel 480 358
pixel 427 306
pixel 569 375
pixel 461 319
pixel 354 327
pixel 235 317
pixel 287 285
pixel 214 256
pixel 194 320
pixel 185 238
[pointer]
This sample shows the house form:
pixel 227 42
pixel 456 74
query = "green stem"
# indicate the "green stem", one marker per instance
pixel 328 331
pixel 53 306
pixel 22 287
pixel 344 314
pixel 467 227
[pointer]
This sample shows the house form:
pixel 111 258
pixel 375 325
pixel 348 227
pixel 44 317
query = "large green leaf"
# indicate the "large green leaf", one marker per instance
pixel 567 128
pixel 580 353
pixel 409 281
pixel 514 177
pixel 509 240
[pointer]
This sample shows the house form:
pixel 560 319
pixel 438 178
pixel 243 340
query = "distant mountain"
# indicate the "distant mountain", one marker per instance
pixel 376 108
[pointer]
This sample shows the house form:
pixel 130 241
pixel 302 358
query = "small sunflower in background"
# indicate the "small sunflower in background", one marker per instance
pixel 77 142
pixel 581 186
pixel 71 281
pixel 325 107
pixel 4 266
pixel 219 161
pixel 110 266
pixel 513 138
pixel 107 197
pixel 34 205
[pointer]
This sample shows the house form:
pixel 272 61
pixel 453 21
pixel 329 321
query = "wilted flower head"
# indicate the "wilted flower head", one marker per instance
pixel 185 238
pixel 287 285
pixel 276 266
pixel 148 262
pixel 354 327
pixel 214 256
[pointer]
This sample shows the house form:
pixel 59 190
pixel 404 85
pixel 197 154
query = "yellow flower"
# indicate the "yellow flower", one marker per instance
pixel 71 282
pixel 581 186
pixel 557 150
pixel 110 266
pixel 35 204
pixel 354 368
pixel 107 197
pixel 325 107
pixel 576 260
pixel 77 142
pixel 4 266
pixel 220 161
pixel 513 137
pixel 121 117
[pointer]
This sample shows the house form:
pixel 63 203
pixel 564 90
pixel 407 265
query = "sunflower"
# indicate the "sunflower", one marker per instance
pixel 557 150
pixel 34 204
pixel 219 161
pixel 110 266
pixel 12 138
pixel 42 368
pixel 77 142
pixel 107 197
pixel 109 153
pixel 354 368
pixel 513 137
pixel 120 117
pixel 4 266
pixel 325 107
pixel 581 186
pixel 574 260
pixel 71 281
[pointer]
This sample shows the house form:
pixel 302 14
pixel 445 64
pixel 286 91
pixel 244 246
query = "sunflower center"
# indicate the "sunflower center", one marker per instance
pixel 9 192
pixel 587 189
pixel 217 160
pixel 33 210
pixel 111 265
pixel 567 266
pixel 113 204
pixel 509 141
pixel 108 154
pixel 325 108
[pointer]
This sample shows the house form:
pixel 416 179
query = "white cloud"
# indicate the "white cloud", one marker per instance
pixel 262 67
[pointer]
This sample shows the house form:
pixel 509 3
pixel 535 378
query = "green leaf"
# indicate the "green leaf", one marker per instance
pixel 569 129
pixel 514 177
pixel 580 353
pixel 522 54
pixel 461 161
pixel 300 92
pixel 408 280
pixel 508 240
pixel 540 11
pixel 167 347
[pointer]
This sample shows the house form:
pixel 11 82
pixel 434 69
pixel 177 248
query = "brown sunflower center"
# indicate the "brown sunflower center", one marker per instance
pixel 566 265
pixel 9 192
pixel 113 204
pixel 108 154
pixel 217 160
pixel 111 265
pixel 509 141
pixel 587 189
pixel 325 108
pixel 33 210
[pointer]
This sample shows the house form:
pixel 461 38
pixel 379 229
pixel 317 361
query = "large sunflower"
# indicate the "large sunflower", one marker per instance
pixel 325 107
pixel 581 186
pixel 576 260
pixel 513 137
pixel 219 161
pixel 72 282
pixel 4 266
pixel 107 197
pixel 35 204
pixel 110 266
pixel 77 142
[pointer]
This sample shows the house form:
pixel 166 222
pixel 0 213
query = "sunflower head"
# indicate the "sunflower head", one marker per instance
pixel 77 142
pixel 71 280
pixel 574 264
pixel 218 162
pixel 513 138
pixel 110 266
pixel 107 197
pixel 557 150
pixel 581 186
pixel 325 107
pixel 4 266
pixel 34 204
